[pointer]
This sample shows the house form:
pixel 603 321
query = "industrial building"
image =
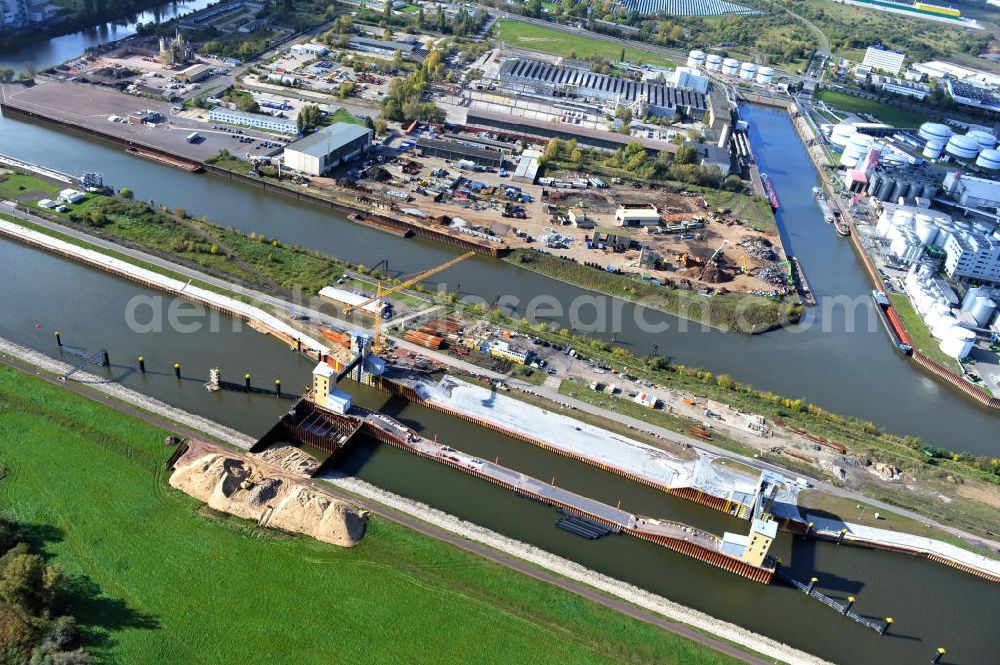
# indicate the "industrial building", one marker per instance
pixel 194 73
pixel 904 88
pixel 542 78
pixel 685 7
pixel 255 120
pixel 972 94
pixel 883 59
pixel 328 148
pixel 409 48
pixel 347 298
pixel 526 171
pixel 455 151
pixel 637 215
pixel 16 14
pixel 972 192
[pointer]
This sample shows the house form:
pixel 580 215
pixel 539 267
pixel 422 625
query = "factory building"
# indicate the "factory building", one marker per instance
pixel 637 215
pixel 973 256
pixel 881 58
pixel 325 392
pixel 194 73
pixel 255 120
pixel 972 192
pixel 328 148
pixel 526 171
pixel 410 49
pixel 456 151
pixel 543 78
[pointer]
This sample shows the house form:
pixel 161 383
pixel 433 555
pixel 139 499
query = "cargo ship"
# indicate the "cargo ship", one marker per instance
pixel 769 190
pixel 890 320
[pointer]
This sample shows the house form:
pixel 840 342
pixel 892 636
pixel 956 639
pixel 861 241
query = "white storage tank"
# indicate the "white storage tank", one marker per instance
pixel 958 343
pixel 989 159
pixel 982 309
pixel 935 131
pixel 696 58
pixel 713 61
pixel 748 70
pixel 841 134
pixel 730 66
pixel 764 75
pixel 963 146
pixel 902 218
pixel 934 148
pixel 942 330
pixel 984 138
pixel 926 230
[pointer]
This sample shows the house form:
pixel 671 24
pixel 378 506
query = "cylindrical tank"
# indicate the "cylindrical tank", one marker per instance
pixel 989 159
pixel 934 314
pixel 930 131
pixel 873 182
pixel 713 61
pixel 944 325
pixel 748 70
pixel 926 232
pixel 984 138
pixel 899 190
pixel 730 66
pixel 963 146
pixel 696 58
pixel 885 188
pixel 933 149
pixel 764 75
pixel 956 348
pixel 903 218
pixel 982 310
pixel 929 190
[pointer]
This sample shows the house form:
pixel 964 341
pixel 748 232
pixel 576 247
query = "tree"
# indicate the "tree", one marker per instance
pixel 686 154
pixel 6 74
pixel 381 127
pixel 733 183
pixel 420 17
pixel 126 193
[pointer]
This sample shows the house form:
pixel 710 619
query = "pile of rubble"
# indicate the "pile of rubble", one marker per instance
pixel 757 247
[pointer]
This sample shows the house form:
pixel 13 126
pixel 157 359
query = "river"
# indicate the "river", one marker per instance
pixel 932 605
pixel 839 358
pixel 45 54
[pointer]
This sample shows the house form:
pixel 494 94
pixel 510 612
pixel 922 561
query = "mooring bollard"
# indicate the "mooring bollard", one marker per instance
pixel 58 338
pixel 812 585
pixel 849 605
pixel 277 387
pixel 888 624
pixel 246 382
pixel 177 370
pixel 105 359
pixel 938 655
pixel 298 344
pixel 840 538
pixel 809 528
pixel 142 364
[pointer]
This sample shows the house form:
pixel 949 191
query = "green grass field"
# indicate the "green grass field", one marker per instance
pixel 887 114
pixel 546 40
pixel 921 335
pixel 158 579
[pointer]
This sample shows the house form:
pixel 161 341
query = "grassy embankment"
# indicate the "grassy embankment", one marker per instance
pixel 732 311
pixel 920 334
pixel 171 581
pixel 888 114
pixel 547 40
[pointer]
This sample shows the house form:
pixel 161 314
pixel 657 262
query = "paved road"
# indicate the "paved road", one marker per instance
pixel 425 528
pixel 444 359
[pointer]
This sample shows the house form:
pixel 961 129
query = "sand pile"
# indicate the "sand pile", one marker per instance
pixel 217 480
pixel 288 457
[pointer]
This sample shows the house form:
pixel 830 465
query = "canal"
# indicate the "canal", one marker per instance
pixel 45 54
pixel 838 358
pixel 932 605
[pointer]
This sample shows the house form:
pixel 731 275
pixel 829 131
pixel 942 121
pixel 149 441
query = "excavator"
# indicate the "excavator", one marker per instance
pixel 713 261
pixel 379 342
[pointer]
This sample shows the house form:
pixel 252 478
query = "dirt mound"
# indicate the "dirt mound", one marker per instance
pixel 288 457
pixel 219 479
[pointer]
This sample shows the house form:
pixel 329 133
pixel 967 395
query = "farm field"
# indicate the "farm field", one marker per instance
pixel 163 580
pixel 537 38
pixel 888 114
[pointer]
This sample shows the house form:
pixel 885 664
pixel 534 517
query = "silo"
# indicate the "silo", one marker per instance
pixel 926 231
pixel 934 148
pixel 730 66
pixel 764 75
pixel 984 138
pixel 901 188
pixel 963 146
pixel 934 314
pixel 958 342
pixel 982 310
pixel 989 159
pixel 696 58
pixel 935 131
pixel 747 71
pixel 713 61
pixel 873 182
pixel 944 326
pixel 885 188
pixel 929 190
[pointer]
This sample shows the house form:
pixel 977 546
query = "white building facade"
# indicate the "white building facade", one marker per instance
pixel 883 59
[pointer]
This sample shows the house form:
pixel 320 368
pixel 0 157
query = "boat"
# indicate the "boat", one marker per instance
pixel 824 206
pixel 843 228
pixel 769 190
pixel 891 322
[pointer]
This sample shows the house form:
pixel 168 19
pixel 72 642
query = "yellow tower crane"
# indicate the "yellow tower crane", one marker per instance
pixel 378 341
